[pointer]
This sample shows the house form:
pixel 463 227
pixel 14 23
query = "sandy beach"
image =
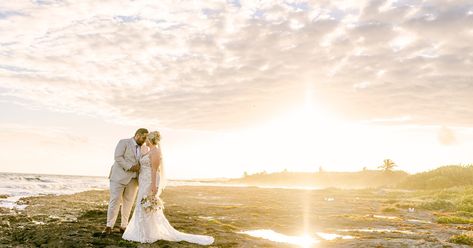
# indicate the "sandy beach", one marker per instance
pixel 291 218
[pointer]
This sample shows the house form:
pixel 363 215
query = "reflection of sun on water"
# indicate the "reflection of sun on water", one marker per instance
pixel 302 241
pixel 306 241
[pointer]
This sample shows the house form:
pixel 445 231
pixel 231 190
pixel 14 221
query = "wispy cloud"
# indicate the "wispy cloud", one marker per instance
pixel 27 134
pixel 215 64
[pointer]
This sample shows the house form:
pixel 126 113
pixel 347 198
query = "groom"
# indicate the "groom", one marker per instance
pixel 123 181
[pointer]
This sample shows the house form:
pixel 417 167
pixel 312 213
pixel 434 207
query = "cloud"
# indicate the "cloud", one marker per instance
pixel 218 65
pixel 28 134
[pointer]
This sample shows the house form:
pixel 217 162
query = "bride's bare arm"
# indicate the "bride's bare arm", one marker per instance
pixel 155 163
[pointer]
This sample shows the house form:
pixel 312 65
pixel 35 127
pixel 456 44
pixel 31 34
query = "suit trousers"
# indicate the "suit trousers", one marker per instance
pixel 124 196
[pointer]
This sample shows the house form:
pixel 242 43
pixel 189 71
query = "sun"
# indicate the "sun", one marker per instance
pixel 306 123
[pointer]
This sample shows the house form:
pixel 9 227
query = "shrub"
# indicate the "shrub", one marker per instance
pixel 438 205
pixel 440 178
pixel 389 210
pixel 453 220
pixel 461 239
pixel 466 204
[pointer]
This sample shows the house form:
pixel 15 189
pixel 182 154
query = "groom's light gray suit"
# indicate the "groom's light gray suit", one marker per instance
pixel 123 183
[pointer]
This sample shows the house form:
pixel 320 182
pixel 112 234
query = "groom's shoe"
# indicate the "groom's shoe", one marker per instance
pixel 107 231
pixel 122 229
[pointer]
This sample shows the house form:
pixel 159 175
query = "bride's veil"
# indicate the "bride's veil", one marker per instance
pixel 162 181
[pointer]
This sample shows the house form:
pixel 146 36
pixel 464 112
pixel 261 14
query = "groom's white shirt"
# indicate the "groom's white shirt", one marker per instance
pixel 137 149
pixel 127 154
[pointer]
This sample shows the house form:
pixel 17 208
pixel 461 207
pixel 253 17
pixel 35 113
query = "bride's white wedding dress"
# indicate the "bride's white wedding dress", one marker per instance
pixel 148 227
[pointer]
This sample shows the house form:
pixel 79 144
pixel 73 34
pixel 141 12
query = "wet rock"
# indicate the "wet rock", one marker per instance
pixel 6 211
pixel 94 214
pixel 69 218
pixel 5 223
pixel 23 202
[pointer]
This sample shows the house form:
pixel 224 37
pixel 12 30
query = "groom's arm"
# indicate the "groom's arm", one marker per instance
pixel 120 155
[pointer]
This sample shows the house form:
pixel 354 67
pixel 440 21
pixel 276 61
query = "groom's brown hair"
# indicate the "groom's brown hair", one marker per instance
pixel 141 131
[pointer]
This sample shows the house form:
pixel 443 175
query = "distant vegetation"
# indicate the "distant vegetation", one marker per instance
pixel 441 178
pixel 388 165
pixel 360 179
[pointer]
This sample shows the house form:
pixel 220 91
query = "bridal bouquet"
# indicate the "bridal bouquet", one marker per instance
pixel 151 203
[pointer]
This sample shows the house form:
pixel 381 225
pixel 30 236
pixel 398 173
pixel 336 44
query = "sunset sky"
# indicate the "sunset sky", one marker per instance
pixel 236 86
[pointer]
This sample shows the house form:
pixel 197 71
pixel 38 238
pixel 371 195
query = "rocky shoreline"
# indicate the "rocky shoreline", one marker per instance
pixel 335 218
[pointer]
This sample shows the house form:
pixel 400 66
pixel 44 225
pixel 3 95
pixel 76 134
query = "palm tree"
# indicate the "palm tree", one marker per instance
pixel 388 165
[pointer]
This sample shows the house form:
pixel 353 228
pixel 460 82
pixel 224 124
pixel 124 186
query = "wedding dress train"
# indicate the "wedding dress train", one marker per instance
pixel 148 227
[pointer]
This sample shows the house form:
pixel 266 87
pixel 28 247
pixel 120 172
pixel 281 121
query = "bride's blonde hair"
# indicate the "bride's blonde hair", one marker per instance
pixel 154 137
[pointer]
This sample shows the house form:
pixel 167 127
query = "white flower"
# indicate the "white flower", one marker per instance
pixel 152 203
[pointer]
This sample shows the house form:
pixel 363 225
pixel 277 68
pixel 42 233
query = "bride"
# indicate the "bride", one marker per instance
pixel 149 226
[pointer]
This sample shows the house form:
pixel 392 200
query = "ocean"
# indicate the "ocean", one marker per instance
pixel 18 185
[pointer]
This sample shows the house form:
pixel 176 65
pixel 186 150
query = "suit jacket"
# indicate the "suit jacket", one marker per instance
pixel 125 158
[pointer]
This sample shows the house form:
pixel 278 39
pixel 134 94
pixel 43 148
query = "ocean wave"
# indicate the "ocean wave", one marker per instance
pixel 16 178
pixel 23 185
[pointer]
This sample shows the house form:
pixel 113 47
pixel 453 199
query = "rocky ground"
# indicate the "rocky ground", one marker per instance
pixel 362 218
